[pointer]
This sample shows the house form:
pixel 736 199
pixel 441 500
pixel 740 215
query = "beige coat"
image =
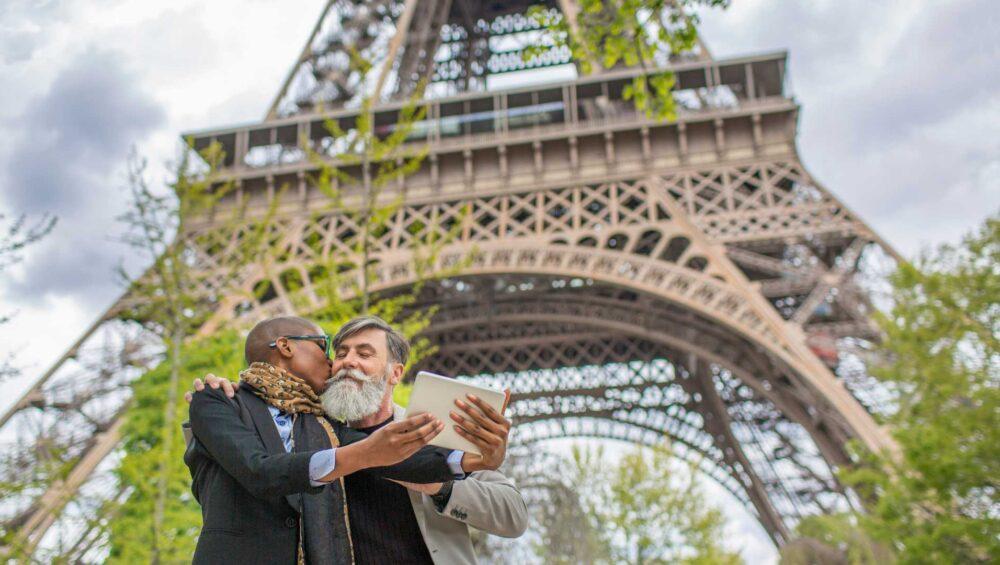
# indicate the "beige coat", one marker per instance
pixel 485 500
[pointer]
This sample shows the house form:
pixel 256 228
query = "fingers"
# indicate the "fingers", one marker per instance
pixel 473 419
pixel 198 385
pixel 486 408
pixel 188 396
pixel 420 429
pixel 424 433
pixel 475 432
pixel 485 416
pixel 215 382
pixel 410 423
pixel 484 441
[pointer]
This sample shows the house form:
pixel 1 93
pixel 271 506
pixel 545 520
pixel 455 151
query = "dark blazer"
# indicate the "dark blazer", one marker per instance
pixel 252 491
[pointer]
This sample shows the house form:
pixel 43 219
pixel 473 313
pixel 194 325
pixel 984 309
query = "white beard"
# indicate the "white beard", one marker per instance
pixel 344 400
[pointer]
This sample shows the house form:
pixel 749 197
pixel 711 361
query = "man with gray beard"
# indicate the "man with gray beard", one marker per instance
pixel 404 523
pixel 353 395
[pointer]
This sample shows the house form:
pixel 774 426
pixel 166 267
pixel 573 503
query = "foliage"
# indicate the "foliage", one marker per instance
pixel 171 298
pixel 647 513
pixel 631 33
pixel 586 509
pixel 176 293
pixel 935 501
pixel 15 236
pixel 938 501
pixel 401 394
pixel 367 159
pixel 131 534
pixel 834 538
pixel 18 234
pixel 567 534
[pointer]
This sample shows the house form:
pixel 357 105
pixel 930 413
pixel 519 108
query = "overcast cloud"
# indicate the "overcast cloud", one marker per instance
pixel 901 104
pixel 69 143
pixel 900 119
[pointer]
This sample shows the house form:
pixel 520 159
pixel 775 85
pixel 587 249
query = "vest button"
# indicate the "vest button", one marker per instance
pixel 291 522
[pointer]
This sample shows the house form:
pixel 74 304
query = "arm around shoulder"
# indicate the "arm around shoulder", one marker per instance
pixel 238 449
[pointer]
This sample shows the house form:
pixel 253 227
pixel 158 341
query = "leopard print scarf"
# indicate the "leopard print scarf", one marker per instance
pixel 281 389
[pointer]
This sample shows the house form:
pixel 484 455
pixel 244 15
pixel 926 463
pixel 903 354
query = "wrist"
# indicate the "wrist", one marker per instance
pixel 442 496
pixel 353 457
pixel 472 463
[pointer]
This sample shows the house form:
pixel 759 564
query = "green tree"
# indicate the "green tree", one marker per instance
pixel 937 500
pixel 638 510
pixel 834 539
pixel 131 530
pixel 567 535
pixel 172 298
pixel 648 513
pixel 559 530
pixel 631 33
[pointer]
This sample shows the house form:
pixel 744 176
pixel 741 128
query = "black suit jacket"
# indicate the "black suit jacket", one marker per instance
pixel 252 492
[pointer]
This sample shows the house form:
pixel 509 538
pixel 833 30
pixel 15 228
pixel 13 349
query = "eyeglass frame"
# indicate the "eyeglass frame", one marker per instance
pixel 327 339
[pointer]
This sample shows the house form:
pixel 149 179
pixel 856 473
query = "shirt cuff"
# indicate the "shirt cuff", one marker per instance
pixel 321 464
pixel 455 464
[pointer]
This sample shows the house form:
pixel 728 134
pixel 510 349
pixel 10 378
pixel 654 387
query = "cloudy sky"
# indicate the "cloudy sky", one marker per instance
pixel 901 118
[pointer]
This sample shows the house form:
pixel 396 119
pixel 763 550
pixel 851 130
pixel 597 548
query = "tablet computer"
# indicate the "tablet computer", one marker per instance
pixel 436 394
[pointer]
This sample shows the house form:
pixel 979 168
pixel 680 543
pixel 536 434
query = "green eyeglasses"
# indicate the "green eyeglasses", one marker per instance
pixel 323 341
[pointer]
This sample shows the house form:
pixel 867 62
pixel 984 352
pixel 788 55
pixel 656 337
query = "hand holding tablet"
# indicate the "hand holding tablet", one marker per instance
pixel 448 400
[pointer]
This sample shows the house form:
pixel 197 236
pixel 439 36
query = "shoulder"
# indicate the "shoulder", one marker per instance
pixel 211 397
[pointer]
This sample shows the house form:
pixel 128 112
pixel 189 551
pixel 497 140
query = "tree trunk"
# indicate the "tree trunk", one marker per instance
pixel 169 422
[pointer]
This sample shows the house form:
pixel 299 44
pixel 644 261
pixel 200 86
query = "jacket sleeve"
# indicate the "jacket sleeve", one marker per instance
pixel 428 465
pixel 488 501
pixel 240 452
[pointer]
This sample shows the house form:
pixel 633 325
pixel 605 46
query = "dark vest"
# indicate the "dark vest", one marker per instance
pixel 323 513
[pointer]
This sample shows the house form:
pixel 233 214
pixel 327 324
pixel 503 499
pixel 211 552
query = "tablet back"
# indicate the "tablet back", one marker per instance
pixel 436 394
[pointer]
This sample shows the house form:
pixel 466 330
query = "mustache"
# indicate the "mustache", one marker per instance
pixel 356 374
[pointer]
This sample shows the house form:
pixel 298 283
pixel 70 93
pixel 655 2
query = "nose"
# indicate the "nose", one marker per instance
pixel 350 361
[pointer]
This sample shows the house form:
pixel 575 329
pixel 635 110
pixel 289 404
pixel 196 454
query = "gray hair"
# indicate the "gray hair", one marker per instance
pixel 399 348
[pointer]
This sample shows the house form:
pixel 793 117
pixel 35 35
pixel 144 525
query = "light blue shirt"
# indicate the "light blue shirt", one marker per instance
pixel 322 463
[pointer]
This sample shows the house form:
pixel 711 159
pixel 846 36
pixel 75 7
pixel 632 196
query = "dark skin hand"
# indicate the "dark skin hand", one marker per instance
pixel 483 426
pixel 486 428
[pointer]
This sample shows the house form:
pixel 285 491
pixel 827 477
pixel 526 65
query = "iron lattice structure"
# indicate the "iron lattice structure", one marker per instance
pixel 626 277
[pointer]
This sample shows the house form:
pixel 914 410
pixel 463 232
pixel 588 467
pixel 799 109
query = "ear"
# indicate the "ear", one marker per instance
pixel 397 373
pixel 283 345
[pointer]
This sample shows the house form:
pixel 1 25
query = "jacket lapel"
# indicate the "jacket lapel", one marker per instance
pixel 262 420
pixel 268 432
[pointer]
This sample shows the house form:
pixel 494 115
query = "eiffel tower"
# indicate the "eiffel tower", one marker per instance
pixel 632 278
